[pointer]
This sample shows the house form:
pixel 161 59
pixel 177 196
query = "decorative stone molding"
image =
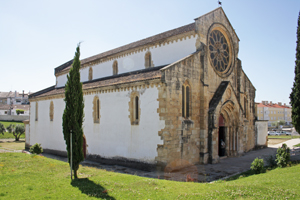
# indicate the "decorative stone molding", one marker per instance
pixel 134 108
pixel 51 111
pixel 96 110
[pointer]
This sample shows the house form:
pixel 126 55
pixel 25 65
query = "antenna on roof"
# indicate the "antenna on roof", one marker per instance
pixel 219 3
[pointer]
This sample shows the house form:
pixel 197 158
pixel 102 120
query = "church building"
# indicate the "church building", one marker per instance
pixel 177 97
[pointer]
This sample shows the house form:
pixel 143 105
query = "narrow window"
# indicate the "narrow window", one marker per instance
pixel 115 67
pixel 148 60
pixel 245 107
pixel 183 102
pixel 136 107
pixel 187 94
pixel 90 74
pixel 98 109
pixel 36 111
pixel 51 113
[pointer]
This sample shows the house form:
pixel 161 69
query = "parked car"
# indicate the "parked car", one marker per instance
pixel 288 133
pixel 272 133
pixel 282 133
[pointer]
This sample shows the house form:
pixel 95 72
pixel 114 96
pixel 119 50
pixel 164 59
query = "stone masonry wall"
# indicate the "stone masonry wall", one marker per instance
pixel 181 135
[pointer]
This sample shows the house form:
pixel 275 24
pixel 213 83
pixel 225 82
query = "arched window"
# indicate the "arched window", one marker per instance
pixel 96 110
pixel 90 74
pixel 115 67
pixel 148 60
pixel 245 106
pixel 185 100
pixel 36 111
pixel 134 108
pixel 51 112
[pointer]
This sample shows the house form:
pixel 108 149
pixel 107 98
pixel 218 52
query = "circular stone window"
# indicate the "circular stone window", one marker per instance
pixel 219 52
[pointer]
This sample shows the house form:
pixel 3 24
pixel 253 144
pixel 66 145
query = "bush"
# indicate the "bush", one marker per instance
pixel 257 166
pixel 283 156
pixel 2 129
pixel 36 149
pixel 271 161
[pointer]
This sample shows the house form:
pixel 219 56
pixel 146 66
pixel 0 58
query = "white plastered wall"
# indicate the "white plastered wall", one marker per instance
pixel 114 137
pixel 261 128
pixel 45 132
pixel 161 55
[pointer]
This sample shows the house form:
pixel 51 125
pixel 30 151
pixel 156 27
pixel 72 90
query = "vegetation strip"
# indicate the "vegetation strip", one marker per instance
pixel 41 177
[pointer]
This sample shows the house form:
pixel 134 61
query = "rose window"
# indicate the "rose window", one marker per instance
pixel 219 51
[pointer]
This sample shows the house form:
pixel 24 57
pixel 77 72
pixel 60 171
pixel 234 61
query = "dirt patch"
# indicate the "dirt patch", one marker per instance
pixel 276 141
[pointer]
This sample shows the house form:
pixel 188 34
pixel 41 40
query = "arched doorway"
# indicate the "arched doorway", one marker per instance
pixel 84 146
pixel 222 136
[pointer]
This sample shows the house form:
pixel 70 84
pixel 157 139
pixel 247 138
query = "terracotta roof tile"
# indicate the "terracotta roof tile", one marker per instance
pixel 272 106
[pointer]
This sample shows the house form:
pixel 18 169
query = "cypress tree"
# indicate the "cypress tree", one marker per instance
pixel 73 113
pixel 295 94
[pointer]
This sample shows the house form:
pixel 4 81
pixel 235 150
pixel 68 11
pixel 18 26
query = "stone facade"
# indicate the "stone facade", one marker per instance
pixel 169 115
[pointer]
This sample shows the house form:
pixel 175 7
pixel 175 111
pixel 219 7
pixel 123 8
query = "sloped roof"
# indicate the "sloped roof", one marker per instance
pixel 177 31
pixel 11 94
pixel 135 76
pixel 272 105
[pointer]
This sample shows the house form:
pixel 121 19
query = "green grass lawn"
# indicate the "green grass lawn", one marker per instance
pixel 13 145
pixel 297 145
pixel 8 135
pixel 24 176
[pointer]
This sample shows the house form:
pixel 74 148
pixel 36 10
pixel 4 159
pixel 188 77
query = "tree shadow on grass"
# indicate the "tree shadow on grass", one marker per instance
pixel 91 189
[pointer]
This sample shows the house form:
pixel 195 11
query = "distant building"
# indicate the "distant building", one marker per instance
pixel 274 112
pixel 15 97
pixel 5 109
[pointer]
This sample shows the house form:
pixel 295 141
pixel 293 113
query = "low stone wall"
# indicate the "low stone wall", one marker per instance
pixel 17 118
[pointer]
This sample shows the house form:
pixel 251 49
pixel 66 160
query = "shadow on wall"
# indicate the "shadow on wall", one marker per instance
pixel 90 188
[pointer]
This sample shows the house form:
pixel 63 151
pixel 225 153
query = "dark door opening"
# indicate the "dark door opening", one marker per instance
pixel 222 141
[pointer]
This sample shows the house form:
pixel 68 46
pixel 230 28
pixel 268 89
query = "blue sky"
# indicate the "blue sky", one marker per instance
pixel 37 36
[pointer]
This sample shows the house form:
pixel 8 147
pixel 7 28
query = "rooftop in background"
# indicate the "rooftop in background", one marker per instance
pixel 13 94
pixel 272 105
pixel 22 107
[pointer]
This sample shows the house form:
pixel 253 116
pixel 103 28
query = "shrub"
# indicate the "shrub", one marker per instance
pixel 283 156
pixel 2 129
pixel 36 149
pixel 20 111
pixel 257 166
pixel 271 161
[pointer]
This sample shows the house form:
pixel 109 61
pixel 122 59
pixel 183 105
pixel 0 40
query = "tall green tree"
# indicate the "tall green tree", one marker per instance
pixel 73 114
pixel 295 94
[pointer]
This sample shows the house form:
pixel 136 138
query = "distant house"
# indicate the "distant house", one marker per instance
pixel 274 112
pixel 5 109
pixel 15 98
